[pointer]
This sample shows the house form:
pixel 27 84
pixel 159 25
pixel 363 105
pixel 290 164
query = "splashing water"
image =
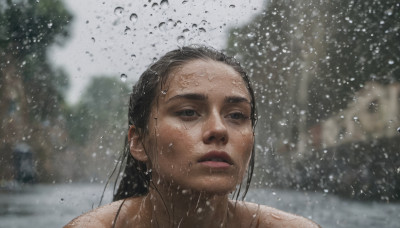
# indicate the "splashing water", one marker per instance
pixel 123 77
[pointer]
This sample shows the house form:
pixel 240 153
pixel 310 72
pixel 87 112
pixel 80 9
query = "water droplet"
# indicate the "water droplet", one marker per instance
pixel 202 30
pixel 398 129
pixel 181 40
pixel 133 18
pixel 389 12
pixel 164 4
pixel 232 6
pixel 251 34
pixel 391 62
pixel 118 11
pixel 127 30
pixel 170 23
pixel 123 77
pixel 194 25
pixel 155 6
pixel 162 26
pixel 184 2
pixel 49 25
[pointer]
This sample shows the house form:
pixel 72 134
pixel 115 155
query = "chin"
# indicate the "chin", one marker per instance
pixel 216 187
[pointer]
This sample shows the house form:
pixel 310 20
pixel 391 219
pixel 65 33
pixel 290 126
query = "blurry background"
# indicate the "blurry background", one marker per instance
pixel 327 82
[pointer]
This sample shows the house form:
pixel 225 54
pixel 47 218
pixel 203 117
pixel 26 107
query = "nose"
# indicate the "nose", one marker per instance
pixel 214 130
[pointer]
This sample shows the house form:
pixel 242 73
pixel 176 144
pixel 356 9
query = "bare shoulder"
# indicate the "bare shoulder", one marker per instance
pixel 104 216
pixel 99 217
pixel 264 216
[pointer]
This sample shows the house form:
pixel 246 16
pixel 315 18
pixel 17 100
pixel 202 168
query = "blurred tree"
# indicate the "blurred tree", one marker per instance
pixel 31 91
pixel 98 124
pixel 307 59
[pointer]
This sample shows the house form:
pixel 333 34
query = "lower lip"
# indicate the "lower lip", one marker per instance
pixel 215 164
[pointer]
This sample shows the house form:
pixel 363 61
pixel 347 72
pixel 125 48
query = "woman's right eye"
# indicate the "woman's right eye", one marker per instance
pixel 187 113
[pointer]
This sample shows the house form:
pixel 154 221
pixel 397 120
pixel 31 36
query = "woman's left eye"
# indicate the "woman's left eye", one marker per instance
pixel 237 116
pixel 187 112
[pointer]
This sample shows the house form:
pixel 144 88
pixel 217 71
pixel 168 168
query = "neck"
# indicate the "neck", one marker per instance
pixel 184 208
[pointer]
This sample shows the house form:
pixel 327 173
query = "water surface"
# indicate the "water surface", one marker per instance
pixel 54 205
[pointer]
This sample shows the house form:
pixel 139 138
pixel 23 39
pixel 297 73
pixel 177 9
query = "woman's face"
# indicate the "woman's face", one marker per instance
pixel 200 131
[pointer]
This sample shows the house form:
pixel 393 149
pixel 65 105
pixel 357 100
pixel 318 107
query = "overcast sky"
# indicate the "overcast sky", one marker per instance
pixel 123 37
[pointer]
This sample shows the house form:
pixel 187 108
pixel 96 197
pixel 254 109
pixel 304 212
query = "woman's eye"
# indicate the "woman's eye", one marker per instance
pixel 237 116
pixel 187 113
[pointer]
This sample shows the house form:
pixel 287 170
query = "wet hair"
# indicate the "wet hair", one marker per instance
pixel 136 177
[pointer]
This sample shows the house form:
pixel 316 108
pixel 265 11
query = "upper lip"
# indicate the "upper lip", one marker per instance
pixel 222 155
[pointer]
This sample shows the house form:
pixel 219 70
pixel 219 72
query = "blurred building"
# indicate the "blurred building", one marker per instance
pixel 373 114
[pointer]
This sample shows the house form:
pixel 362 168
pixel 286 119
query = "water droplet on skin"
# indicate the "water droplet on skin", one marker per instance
pixel 123 77
pixel 118 11
pixel 133 18
pixel 232 6
pixel 202 30
pixel 275 216
pixel 164 4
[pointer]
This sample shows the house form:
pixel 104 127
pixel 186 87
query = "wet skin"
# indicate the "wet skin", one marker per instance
pixel 201 135
pixel 198 147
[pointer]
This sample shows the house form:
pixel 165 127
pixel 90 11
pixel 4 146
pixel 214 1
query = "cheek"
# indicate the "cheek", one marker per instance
pixel 246 146
pixel 173 142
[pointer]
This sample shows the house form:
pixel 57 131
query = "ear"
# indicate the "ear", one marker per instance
pixel 136 146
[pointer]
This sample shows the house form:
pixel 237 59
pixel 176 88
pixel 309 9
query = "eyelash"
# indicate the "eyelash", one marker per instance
pixel 189 114
pixel 185 115
pixel 241 116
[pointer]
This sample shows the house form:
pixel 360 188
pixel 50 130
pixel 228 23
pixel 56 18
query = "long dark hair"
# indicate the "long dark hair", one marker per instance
pixel 136 178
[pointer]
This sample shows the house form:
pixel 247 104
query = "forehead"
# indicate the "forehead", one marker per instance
pixel 206 76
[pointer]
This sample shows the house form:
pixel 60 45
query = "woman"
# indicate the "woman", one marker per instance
pixel 190 142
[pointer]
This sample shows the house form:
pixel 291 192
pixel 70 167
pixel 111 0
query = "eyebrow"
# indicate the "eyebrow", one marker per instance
pixel 189 96
pixel 202 97
pixel 236 99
